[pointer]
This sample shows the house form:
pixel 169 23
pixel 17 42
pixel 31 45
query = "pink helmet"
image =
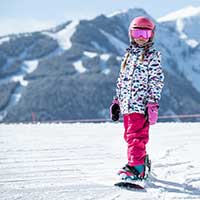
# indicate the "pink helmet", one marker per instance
pixel 142 22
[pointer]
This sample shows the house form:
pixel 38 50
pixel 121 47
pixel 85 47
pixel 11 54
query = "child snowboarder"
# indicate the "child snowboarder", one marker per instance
pixel 138 93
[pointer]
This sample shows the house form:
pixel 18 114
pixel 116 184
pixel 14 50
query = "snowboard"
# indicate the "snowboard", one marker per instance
pixel 134 186
pixel 129 186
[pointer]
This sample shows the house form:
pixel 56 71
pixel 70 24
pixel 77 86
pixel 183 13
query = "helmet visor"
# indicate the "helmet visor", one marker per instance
pixel 145 33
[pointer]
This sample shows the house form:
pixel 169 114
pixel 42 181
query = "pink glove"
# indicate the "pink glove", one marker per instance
pixel 152 110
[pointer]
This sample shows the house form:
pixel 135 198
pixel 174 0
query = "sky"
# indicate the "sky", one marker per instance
pixel 30 15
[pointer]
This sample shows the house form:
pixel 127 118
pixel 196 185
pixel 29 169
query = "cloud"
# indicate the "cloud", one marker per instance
pixel 10 26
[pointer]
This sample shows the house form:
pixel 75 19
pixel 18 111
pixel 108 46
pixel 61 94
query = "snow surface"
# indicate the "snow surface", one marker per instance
pixel 26 68
pixel 64 36
pixel 118 12
pixel 119 58
pixel 97 46
pixel 105 57
pixel 19 78
pixel 80 162
pixel 180 28
pixel 118 44
pixel 191 42
pixel 181 17
pixel 90 54
pixel 4 39
pixel 193 72
pixel 31 65
pixel 180 14
pixel 106 71
pixel 79 66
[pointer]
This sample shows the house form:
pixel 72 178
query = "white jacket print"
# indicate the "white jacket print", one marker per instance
pixel 140 83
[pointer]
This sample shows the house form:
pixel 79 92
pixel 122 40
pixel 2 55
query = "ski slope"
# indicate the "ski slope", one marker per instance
pixel 80 162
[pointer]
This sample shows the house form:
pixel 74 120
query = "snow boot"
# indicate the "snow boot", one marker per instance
pixel 131 173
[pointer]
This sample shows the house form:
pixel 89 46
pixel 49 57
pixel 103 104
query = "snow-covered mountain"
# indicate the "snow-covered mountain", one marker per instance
pixel 69 72
pixel 187 22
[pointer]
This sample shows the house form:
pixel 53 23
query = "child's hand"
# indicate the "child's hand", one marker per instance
pixel 114 110
pixel 152 110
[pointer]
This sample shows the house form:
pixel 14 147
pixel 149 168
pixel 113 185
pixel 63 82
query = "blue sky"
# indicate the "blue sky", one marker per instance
pixel 28 15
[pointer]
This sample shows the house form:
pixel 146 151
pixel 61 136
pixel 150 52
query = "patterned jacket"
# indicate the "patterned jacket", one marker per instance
pixel 140 83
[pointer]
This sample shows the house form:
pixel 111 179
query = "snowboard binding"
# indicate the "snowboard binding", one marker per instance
pixel 129 173
pixel 134 182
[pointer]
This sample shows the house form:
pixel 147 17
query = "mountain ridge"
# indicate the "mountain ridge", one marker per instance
pixel 63 81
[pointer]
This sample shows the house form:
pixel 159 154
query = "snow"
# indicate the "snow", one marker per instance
pixel 189 67
pixel 119 58
pixel 79 162
pixel 180 14
pixel 64 36
pixel 90 54
pixel 3 115
pixel 16 96
pixel 106 71
pixel 126 15
pixel 182 20
pixel 31 66
pixel 4 39
pixel 191 42
pixel 118 44
pixel 97 46
pixel 26 68
pixel 191 71
pixel 180 28
pixel 79 66
pixel 105 57
pixel 118 12
pixel 19 78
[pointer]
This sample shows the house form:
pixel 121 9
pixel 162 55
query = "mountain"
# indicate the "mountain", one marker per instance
pixel 69 72
pixel 186 22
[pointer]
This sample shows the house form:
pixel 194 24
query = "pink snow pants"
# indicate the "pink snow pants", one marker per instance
pixel 136 135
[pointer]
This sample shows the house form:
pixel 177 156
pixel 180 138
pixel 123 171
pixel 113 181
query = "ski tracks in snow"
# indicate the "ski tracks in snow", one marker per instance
pixel 80 161
pixel 176 164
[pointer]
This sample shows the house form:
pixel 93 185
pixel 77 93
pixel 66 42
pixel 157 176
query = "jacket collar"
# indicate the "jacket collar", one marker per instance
pixel 135 48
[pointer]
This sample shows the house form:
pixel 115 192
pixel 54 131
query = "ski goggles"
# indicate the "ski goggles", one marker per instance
pixel 145 33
